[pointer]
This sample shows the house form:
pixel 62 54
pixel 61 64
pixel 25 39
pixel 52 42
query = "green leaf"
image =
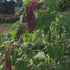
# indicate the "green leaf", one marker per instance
pixel 33 35
pixel 56 50
pixel 41 65
pixel 22 65
pixel 3 68
pixel 65 20
pixel 18 60
pixel 27 48
pixel 30 61
pixel 29 37
pixel 40 56
pixel 9 54
pixel 44 21
pixel 57 19
pixel 13 34
pixel 14 56
pixel 63 66
pixel 54 5
pixel 25 2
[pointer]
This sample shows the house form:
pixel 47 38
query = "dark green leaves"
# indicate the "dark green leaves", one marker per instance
pixel 22 65
pixel 64 20
pixel 14 56
pixel 44 21
pixel 54 5
pixel 56 50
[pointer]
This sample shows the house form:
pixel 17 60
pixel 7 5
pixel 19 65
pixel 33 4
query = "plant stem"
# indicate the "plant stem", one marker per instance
pixel 60 31
pixel 49 40
pixel 49 36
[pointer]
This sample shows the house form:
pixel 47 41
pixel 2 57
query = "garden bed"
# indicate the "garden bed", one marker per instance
pixel 4 28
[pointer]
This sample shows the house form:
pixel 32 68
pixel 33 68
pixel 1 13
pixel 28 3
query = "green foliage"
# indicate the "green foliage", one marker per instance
pixel 54 5
pixel 58 50
pixel 14 56
pixel 25 2
pixel 11 35
pixel 64 20
pixel 22 65
pixel 40 57
pixel 29 37
pixel 41 24
pixel 45 47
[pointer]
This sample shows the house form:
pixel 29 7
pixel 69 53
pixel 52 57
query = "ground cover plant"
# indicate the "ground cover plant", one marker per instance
pixel 45 43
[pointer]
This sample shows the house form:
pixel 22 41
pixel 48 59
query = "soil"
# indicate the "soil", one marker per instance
pixel 4 29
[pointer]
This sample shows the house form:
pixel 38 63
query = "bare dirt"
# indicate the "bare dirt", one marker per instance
pixel 4 29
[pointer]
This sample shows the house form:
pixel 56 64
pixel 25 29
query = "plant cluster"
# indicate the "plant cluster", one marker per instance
pixel 30 8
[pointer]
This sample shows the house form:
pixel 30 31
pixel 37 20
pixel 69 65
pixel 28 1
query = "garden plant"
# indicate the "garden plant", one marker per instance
pixel 42 42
